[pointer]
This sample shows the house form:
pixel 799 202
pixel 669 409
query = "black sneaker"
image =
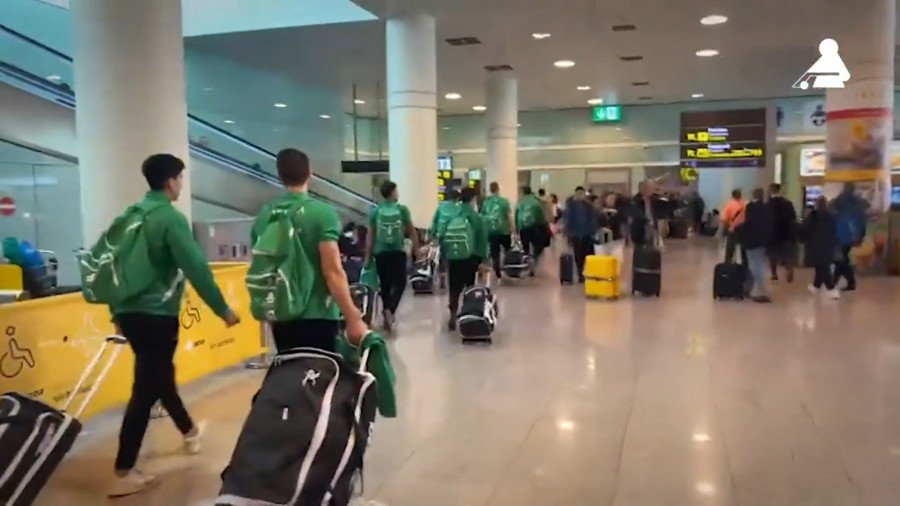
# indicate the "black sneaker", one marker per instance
pixel 388 320
pixel 451 323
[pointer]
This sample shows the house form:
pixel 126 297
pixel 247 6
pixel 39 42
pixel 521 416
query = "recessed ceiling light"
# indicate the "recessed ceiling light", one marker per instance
pixel 275 130
pixel 324 116
pixel 208 88
pixel 564 64
pixel 595 101
pixel 540 36
pixel 453 96
pixel 697 95
pixel 280 105
pixel 479 108
pixel 359 102
pixel 229 121
pixel 713 19
pixel 445 128
pixel 584 88
pixel 518 124
pixel 54 78
pixel 706 53
pixel 619 128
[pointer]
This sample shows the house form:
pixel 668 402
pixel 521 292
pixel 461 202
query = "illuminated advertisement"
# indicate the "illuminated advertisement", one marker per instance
pixel 717 139
pixel 813 160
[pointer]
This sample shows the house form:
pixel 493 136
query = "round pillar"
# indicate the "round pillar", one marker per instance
pixel 412 113
pixel 129 84
pixel 503 132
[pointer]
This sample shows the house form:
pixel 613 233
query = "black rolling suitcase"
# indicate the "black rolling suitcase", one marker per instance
pixel 34 437
pixel 730 281
pixel 478 313
pixel 516 263
pixel 365 298
pixel 566 269
pixel 646 278
pixel 304 440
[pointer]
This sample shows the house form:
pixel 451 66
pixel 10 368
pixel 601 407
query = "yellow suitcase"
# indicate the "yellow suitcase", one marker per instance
pixel 601 277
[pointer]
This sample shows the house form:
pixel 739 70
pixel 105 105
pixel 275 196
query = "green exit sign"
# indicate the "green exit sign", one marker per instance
pixel 606 113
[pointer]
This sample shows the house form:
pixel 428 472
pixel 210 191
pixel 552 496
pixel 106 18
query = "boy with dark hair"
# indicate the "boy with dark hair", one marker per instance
pixel 464 242
pixel 318 322
pixel 389 224
pixel 531 224
pixel 149 319
pixel 500 224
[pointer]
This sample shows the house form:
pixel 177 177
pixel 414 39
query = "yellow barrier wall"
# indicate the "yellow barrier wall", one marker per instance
pixel 46 343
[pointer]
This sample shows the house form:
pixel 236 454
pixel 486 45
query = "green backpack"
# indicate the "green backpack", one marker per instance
pixel 117 267
pixel 458 239
pixel 389 225
pixel 493 215
pixel 528 214
pixel 281 276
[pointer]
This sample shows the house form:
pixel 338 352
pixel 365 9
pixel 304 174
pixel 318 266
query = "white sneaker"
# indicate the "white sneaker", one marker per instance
pixel 132 483
pixel 813 290
pixel 192 443
pixel 834 294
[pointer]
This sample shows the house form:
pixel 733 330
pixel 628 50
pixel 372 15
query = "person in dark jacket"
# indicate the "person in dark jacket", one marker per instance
pixel 581 226
pixel 753 235
pixel 783 243
pixel 851 207
pixel 643 216
pixel 823 245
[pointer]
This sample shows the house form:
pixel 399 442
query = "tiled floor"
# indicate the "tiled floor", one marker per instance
pixel 671 401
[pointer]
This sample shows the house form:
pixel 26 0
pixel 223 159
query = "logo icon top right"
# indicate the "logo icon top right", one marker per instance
pixel 828 71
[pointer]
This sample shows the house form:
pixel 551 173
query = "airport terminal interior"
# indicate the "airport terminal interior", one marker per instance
pixel 680 131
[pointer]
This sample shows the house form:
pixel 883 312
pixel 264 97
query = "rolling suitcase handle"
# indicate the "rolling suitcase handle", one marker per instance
pixel 118 341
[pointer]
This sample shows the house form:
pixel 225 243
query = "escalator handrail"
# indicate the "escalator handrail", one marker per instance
pixel 218 130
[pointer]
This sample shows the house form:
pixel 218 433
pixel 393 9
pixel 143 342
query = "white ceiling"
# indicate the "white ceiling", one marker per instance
pixel 764 47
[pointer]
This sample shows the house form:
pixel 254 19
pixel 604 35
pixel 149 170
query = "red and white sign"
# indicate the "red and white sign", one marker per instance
pixel 7 206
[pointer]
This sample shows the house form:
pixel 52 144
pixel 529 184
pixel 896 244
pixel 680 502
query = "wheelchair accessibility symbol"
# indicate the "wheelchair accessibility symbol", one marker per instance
pixel 15 357
pixel 189 315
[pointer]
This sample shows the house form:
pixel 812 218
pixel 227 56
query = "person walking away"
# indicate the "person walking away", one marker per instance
pixel 529 221
pixel 445 210
pixel 581 228
pixel 498 219
pixel 783 246
pixel 697 208
pixel 612 222
pixel 849 211
pixel 389 225
pixel 732 215
pixel 149 319
pixel 643 218
pixel 465 244
pixel 547 205
pixel 753 234
pixel 823 244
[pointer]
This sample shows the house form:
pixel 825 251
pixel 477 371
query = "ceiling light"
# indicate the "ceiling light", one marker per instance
pixel 479 108
pixel 229 121
pixel 280 105
pixel 359 102
pixel 324 116
pixel 540 36
pixel 207 89
pixel 713 19
pixel 565 424
pixel 700 437
pixel 697 95
pixel 518 124
pixel 595 101
pixel 564 64
pixel 445 128
pixel 705 488
pixel 706 53
pixel 54 78
pixel 584 88
pixel 453 96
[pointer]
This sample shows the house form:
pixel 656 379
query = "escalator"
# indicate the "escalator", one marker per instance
pixel 225 170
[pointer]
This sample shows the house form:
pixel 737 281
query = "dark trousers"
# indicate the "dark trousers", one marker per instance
pixel 499 244
pixel 731 246
pixel 582 247
pixel 292 334
pixel 823 277
pixel 153 339
pixel 844 269
pixel 533 241
pixel 391 267
pixel 461 274
pixel 785 255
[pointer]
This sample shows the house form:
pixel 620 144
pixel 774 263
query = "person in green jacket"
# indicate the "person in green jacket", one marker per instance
pixel 150 322
pixel 501 226
pixel 442 215
pixel 389 225
pixel 464 242
pixel 319 324
pixel 532 225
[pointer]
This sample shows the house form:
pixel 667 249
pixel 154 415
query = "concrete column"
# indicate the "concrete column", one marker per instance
pixel 129 83
pixel 412 113
pixel 503 132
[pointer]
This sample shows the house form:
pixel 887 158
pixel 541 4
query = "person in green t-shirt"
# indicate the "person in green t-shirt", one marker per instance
pixel 501 226
pixel 464 243
pixel 319 228
pixel 532 225
pixel 389 225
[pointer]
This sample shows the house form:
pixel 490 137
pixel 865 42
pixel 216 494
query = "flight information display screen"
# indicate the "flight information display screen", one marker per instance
pixel 715 139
